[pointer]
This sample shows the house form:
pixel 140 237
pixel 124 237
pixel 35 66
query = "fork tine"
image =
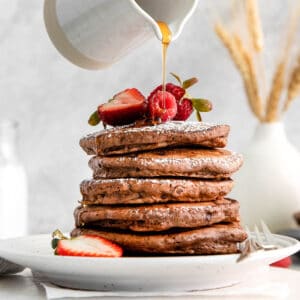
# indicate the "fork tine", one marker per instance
pixel 245 251
pixel 252 245
pixel 255 241
pixel 248 232
pixel 257 235
pixel 266 231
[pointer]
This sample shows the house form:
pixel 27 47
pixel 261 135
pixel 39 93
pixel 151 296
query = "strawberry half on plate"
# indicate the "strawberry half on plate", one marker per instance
pixel 84 245
pixel 124 108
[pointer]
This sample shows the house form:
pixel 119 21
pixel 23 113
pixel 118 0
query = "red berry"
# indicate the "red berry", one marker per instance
pixel 283 263
pixel 184 106
pixel 125 108
pixel 163 106
pixel 88 245
pixel 177 91
pixel 184 109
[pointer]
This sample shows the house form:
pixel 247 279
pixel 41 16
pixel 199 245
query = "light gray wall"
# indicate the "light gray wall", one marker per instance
pixel 52 99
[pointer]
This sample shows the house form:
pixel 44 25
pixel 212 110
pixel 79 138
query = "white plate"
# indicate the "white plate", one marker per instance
pixel 172 273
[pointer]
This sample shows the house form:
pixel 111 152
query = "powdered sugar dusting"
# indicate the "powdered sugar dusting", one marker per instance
pixel 146 180
pixel 126 180
pixel 174 162
pixel 198 159
pixel 174 126
pixel 129 139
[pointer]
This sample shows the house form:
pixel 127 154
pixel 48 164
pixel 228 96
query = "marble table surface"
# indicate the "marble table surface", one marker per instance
pixel 24 287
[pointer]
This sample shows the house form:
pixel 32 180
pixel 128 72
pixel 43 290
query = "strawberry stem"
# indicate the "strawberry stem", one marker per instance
pixel 94 119
pixel 57 234
pixel 54 243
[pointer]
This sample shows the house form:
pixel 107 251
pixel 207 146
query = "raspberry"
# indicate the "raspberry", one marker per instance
pixel 184 109
pixel 184 106
pixel 177 91
pixel 162 105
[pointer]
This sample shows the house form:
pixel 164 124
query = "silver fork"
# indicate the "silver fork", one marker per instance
pixel 257 241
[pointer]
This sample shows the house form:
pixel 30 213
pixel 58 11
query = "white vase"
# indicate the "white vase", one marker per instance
pixel 268 184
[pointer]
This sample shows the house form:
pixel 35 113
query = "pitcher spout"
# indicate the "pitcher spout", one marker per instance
pixel 175 13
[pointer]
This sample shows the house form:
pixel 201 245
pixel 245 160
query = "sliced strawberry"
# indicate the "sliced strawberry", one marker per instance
pixel 125 108
pixel 283 263
pixel 87 245
pixel 162 106
pixel 184 109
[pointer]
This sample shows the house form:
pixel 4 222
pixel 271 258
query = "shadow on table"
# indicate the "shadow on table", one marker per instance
pixel 17 286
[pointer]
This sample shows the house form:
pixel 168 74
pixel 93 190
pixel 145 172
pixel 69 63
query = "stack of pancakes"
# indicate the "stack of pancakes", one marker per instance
pixel 161 189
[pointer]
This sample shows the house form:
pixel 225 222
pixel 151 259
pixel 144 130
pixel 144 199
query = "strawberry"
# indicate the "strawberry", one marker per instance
pixel 84 245
pixel 126 107
pixel 283 263
pixel 162 106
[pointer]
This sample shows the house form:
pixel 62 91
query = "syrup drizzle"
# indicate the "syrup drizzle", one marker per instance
pixel 166 39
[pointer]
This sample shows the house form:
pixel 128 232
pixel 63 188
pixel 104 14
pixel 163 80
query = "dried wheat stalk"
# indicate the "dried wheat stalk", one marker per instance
pixel 244 61
pixel 272 109
pixel 230 45
pixel 245 65
pixel 278 84
pixel 250 79
pixel 292 30
pixel 254 25
pixel 293 87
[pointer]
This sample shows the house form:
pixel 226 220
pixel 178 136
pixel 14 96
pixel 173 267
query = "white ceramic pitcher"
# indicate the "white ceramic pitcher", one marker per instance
pixel 94 34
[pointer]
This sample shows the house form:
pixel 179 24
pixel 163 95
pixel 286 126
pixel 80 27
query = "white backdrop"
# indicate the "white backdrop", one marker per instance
pixel 52 99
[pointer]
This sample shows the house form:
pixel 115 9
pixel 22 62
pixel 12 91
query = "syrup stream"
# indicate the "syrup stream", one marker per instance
pixel 166 39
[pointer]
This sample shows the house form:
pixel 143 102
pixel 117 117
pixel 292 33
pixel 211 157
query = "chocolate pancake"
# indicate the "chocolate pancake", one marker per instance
pixel 128 139
pixel 216 239
pixel 180 162
pixel 158 217
pixel 152 190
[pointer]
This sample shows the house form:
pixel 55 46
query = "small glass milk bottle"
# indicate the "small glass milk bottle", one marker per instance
pixel 13 184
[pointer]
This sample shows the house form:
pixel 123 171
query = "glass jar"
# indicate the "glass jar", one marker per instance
pixel 13 184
